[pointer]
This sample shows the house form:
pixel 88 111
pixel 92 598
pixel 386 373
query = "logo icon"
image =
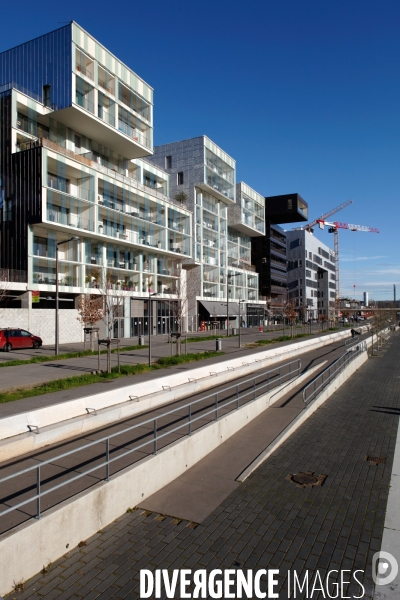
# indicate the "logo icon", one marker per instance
pixel 384 568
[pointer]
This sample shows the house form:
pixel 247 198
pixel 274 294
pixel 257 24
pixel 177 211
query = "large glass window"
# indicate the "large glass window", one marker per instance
pixel 84 95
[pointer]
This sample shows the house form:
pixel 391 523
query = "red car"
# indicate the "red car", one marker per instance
pixel 12 339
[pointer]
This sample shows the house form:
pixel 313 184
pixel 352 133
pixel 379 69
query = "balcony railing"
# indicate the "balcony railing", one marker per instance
pixel 106 86
pixel 239 264
pixel 32 127
pixel 133 133
pixel 107 117
pixel 225 174
pixel 12 275
pixel 85 103
pixel 71 220
pixel 86 72
pixel 91 161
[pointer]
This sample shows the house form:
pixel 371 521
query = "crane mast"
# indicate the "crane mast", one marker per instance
pixel 334 228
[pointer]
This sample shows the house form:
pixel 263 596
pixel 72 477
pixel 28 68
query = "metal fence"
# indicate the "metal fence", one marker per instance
pixel 316 386
pixel 182 423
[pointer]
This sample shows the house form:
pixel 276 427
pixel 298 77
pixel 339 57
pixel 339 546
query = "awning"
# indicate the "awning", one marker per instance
pixel 218 309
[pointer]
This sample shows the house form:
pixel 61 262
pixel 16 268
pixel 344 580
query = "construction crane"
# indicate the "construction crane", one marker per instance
pixel 334 228
pixel 325 216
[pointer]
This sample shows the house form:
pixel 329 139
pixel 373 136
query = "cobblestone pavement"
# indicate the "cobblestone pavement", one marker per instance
pixel 267 522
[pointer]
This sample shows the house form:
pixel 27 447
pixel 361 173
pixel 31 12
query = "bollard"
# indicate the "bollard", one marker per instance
pixel 218 345
pixel 141 340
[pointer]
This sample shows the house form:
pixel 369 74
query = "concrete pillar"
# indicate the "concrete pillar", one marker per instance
pixel 26 302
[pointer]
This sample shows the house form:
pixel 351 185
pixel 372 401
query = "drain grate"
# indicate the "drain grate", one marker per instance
pixel 306 479
pixel 376 460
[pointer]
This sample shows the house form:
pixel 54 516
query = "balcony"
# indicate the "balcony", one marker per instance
pixel 84 64
pixel 91 160
pixel 69 220
pixel 12 275
pixel 134 133
pixel 31 127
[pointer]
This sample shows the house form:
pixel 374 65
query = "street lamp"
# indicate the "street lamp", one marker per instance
pixel 71 239
pixel 228 275
pixel 150 296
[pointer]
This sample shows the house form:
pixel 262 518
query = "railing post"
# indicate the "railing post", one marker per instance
pixel 216 406
pixel 108 459
pixel 237 396
pixel 38 492
pixel 190 419
pixel 155 436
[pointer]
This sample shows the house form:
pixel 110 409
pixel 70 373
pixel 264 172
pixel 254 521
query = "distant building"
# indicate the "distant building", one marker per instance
pixel 269 252
pixel 311 275
pixel 365 299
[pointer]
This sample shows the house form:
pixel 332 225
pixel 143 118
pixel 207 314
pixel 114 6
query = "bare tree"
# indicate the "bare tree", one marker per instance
pixel 113 297
pixel 91 310
pixel 290 314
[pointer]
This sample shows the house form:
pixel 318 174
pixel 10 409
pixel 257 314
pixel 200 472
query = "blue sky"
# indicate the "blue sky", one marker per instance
pixel 304 95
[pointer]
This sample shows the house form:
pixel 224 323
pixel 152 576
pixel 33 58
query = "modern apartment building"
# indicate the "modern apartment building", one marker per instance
pixel 311 275
pixel 76 128
pixel 269 258
pixel 269 252
pixel 226 216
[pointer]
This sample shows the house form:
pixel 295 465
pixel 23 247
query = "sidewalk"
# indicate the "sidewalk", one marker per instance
pixel 38 373
pixel 267 521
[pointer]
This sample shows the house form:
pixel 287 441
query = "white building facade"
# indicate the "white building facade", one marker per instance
pixel 310 275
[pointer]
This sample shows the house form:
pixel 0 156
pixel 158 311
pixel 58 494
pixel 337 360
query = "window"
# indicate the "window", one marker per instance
pixel 8 206
pixel 46 95
pixel 168 162
pixel 180 178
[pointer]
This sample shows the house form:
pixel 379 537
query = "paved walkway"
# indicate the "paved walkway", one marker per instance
pixel 267 521
pixel 39 373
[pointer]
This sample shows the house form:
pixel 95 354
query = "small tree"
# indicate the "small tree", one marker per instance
pixel 181 197
pixel 112 298
pixel 91 310
pixel 290 314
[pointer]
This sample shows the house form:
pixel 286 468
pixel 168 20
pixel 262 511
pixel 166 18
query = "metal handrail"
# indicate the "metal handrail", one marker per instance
pixel 332 371
pixel 238 397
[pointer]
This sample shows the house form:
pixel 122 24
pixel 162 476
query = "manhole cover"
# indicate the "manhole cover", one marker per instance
pixel 306 479
pixel 376 460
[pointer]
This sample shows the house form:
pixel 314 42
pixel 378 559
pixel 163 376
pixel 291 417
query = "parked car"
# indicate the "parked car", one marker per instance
pixel 13 338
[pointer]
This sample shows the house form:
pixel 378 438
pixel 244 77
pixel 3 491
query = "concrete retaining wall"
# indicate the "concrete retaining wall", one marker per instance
pixel 41 322
pixel 67 419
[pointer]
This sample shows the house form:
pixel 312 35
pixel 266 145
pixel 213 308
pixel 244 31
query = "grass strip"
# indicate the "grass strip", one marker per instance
pixel 89 378
pixel 41 359
pixel 205 338
pixel 282 338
